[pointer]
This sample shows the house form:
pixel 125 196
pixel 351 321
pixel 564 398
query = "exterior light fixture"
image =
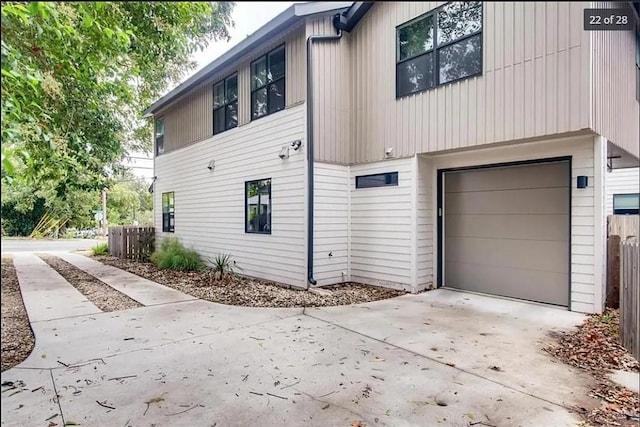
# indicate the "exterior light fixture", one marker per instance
pixel 211 166
pixel 284 153
pixel 583 181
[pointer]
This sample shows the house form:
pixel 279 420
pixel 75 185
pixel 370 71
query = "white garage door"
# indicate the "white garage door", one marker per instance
pixel 506 231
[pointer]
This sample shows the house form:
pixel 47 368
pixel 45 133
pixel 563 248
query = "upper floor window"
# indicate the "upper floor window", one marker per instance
pixel 225 104
pixel 439 47
pixel 159 135
pixel 267 83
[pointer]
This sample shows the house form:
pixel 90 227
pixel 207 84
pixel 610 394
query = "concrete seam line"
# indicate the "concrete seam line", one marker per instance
pixel 442 363
pixel 55 390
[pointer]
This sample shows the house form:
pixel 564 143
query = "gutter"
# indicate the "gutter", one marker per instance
pixel 338 23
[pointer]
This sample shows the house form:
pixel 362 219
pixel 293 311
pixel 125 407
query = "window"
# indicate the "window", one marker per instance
pixel 258 206
pixel 377 180
pixel 626 204
pixel 439 47
pixel 225 104
pixel 159 136
pixel 267 84
pixel 168 212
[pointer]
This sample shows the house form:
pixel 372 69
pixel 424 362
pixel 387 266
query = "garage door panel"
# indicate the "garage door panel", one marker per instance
pixel 510 282
pixel 525 254
pixel 506 231
pixel 509 202
pixel 525 226
pixel 508 178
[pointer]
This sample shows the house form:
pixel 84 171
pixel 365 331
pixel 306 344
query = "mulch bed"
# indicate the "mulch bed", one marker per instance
pixel 250 292
pixel 99 293
pixel 595 347
pixel 17 336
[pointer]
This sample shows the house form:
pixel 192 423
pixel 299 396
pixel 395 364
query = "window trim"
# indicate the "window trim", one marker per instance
pixel 155 139
pixel 166 226
pixel 624 211
pixel 224 104
pixel 436 47
pixel 246 206
pixel 394 184
pixel 267 84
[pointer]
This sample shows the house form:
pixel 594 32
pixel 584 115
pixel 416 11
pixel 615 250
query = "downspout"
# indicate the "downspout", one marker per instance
pixel 310 40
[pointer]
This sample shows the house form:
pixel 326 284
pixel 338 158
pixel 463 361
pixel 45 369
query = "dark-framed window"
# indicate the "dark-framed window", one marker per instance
pixel 257 211
pixel 159 135
pixel 626 204
pixel 268 83
pixel 225 104
pixel 168 212
pixel 377 180
pixel 442 46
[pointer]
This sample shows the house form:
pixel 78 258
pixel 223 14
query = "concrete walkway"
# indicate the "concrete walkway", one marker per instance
pixel 146 292
pixel 46 294
pixel 437 358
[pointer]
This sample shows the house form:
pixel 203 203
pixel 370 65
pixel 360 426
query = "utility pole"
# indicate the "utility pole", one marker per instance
pixel 104 212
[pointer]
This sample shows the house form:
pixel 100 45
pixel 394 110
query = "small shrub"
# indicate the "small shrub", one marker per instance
pixel 223 266
pixel 100 249
pixel 174 256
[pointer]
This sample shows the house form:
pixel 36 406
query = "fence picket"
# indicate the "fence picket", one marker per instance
pixel 131 242
pixel 630 296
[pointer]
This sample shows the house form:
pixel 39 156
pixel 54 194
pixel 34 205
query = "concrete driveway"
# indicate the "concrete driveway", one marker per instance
pixel 10 245
pixel 438 358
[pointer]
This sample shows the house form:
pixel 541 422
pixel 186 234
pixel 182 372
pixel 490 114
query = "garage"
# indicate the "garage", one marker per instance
pixel 507 230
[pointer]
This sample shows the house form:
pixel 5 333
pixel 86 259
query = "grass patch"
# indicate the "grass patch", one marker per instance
pixel 100 249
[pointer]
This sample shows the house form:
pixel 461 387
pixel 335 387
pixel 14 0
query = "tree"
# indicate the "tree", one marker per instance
pixel 76 76
pixel 129 201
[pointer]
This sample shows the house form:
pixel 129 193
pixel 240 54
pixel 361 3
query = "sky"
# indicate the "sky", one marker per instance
pixel 248 17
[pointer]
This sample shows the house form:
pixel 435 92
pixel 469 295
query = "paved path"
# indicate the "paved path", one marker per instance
pixel 46 294
pixel 146 292
pixel 11 245
pixel 437 358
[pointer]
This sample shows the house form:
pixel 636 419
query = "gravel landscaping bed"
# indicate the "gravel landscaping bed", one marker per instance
pixel 17 336
pixel 99 293
pixel 595 347
pixel 250 292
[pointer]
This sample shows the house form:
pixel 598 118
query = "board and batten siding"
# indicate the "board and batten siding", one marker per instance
pixel 190 118
pixel 382 220
pixel 621 181
pixel 210 205
pixel 587 213
pixel 535 82
pixel 616 111
pixel 331 226
pixel 331 89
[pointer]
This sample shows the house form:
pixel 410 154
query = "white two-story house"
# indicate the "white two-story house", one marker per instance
pixel 409 145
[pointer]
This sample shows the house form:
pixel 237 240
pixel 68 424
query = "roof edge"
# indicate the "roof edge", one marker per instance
pixel 284 20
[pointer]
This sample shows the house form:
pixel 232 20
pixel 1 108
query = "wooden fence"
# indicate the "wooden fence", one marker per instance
pixel 619 229
pixel 131 242
pixel 630 296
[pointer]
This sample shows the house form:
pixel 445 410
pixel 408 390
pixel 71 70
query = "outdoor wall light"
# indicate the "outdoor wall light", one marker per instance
pixel 212 165
pixel 284 153
pixel 388 153
pixel 296 145
pixel 583 181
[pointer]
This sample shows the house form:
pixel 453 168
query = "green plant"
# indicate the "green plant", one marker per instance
pixel 100 249
pixel 174 256
pixel 223 266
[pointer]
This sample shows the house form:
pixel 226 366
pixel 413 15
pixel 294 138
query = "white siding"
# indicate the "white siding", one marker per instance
pixel 586 281
pixel 425 222
pixel 382 226
pixel 621 181
pixel 209 205
pixel 331 226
